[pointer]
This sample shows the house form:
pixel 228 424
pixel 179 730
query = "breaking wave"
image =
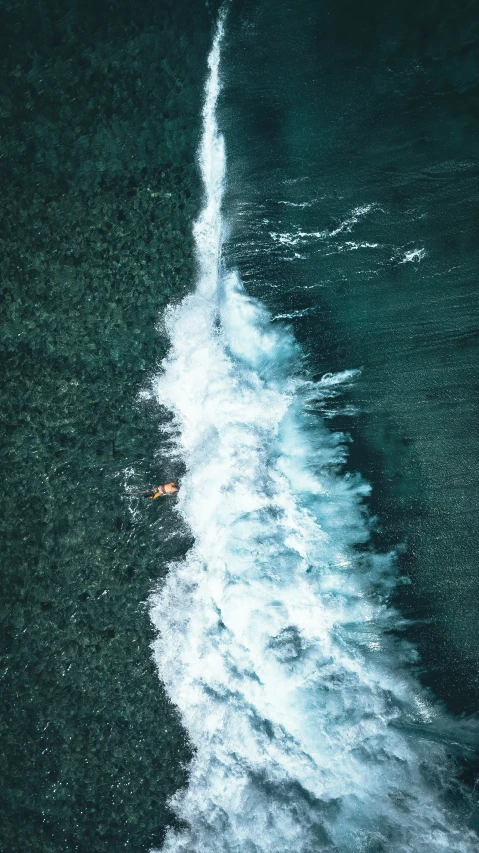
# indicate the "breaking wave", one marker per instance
pixel 275 637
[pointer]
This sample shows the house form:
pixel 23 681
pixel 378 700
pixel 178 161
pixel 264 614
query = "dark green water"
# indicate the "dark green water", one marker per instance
pixel 100 118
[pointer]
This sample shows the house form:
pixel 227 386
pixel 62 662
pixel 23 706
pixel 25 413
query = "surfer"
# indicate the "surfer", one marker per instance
pixel 158 491
pixel 165 489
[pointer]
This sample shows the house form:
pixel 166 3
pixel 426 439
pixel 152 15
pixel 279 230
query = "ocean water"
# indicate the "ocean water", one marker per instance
pixel 100 121
pixel 248 264
pixel 277 637
pixel 351 195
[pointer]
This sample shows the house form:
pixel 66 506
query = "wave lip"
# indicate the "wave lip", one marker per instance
pixel 275 638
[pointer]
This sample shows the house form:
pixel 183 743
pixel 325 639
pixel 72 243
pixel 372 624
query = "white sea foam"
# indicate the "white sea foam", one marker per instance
pixel 274 632
pixel 347 224
pixel 298 237
pixel 351 246
pixel 413 256
pixel 303 238
pixel 292 315
pixel 298 203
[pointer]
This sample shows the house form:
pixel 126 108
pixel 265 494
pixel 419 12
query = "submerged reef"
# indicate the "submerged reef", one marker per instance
pixel 99 118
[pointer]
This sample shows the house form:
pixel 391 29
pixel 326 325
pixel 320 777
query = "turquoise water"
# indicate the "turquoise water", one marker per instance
pixel 338 121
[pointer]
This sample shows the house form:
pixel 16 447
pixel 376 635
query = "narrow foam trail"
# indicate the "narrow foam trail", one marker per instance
pixel 274 633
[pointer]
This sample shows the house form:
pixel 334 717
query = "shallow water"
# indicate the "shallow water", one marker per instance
pixel 100 112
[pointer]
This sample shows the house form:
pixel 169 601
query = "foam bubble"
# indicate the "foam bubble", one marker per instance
pixel 413 256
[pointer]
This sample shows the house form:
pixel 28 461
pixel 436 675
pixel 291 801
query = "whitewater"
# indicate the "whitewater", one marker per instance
pixel 275 638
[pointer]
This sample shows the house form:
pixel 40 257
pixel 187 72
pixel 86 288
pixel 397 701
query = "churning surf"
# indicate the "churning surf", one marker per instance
pixel 275 638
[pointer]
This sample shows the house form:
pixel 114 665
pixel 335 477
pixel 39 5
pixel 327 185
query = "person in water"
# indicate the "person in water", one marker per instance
pixel 166 489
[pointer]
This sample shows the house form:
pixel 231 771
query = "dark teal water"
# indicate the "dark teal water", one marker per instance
pixel 334 106
pixel 352 137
